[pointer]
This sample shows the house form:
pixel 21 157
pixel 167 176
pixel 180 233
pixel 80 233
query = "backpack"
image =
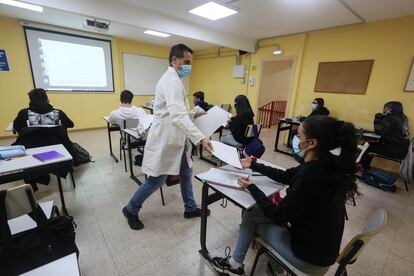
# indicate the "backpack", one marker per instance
pixel 80 155
pixel 255 147
pixel 380 179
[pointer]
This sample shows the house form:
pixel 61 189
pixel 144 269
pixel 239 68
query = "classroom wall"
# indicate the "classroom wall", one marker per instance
pixel 389 42
pixel 86 110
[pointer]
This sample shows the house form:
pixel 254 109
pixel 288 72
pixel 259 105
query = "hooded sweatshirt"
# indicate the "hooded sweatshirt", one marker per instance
pixel 124 113
pixel 40 108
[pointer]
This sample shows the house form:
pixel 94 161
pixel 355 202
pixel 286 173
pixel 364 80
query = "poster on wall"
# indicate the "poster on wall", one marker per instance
pixel 4 65
pixel 409 86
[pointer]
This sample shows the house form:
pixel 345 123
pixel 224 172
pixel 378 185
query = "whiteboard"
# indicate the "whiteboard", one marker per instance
pixel 142 73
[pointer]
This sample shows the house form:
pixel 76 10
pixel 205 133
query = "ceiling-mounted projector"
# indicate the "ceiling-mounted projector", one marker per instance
pixel 97 24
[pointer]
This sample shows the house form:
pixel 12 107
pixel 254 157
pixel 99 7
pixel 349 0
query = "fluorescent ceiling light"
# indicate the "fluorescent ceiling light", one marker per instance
pixel 22 5
pixel 155 33
pixel 212 11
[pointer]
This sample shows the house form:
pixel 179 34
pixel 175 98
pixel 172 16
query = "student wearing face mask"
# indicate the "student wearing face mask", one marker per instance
pixel 306 227
pixel 318 107
pixel 392 125
pixel 199 100
pixel 168 147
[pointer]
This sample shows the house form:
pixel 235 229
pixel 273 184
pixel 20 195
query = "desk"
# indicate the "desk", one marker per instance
pixel 283 125
pixel 148 107
pixel 28 166
pixel 132 133
pixel 66 266
pixel 241 198
pixel 111 128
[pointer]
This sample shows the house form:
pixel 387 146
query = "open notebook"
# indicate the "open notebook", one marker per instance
pixel 224 178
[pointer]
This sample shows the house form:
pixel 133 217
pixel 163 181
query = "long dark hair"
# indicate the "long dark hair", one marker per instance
pixel 330 134
pixel 242 106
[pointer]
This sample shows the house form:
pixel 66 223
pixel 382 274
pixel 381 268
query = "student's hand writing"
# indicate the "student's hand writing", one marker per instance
pixel 207 146
pixel 198 114
pixel 246 162
pixel 244 182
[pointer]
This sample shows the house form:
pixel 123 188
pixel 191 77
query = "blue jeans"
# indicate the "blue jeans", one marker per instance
pixel 152 183
pixel 229 140
pixel 254 223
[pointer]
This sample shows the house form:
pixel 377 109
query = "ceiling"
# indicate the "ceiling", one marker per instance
pixel 255 20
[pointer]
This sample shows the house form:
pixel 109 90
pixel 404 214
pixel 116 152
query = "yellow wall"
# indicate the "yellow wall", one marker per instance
pixel 86 110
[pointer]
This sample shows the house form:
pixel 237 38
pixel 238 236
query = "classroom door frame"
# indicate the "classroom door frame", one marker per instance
pixel 291 81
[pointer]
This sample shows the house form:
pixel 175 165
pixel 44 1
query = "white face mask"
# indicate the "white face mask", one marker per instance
pixel 314 106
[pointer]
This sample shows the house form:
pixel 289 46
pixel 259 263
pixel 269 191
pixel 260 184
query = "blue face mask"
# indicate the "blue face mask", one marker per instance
pixel 296 148
pixel 185 70
pixel 196 101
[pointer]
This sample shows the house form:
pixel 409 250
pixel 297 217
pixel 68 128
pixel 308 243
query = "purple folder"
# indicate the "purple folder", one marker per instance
pixel 48 155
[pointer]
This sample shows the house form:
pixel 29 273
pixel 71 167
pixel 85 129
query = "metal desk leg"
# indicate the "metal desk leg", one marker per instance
pixel 130 162
pixel 62 198
pixel 110 142
pixel 279 125
pixel 203 231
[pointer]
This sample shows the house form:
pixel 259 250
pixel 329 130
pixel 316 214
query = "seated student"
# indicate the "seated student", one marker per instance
pixel 238 124
pixel 199 100
pixel 318 107
pixel 40 112
pixel 306 227
pixel 126 110
pixel 392 125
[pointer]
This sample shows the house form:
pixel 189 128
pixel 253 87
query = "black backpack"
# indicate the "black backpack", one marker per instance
pixel 80 155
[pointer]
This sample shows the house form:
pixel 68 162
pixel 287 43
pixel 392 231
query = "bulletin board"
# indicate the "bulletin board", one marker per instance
pixel 348 77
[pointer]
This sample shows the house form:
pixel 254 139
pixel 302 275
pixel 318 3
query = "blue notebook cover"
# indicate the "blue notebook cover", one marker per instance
pixel 48 155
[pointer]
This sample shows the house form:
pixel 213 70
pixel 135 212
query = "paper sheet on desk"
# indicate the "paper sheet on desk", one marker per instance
pixel 227 154
pixel 210 122
pixel 146 120
pixel 225 178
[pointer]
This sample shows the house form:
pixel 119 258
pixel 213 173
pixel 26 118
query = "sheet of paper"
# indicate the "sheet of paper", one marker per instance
pixel 225 178
pixel 146 120
pixel 227 154
pixel 210 122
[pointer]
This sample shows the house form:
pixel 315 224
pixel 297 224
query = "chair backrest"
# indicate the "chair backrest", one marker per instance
pixel 226 107
pixel 373 226
pixel 249 130
pixel 127 123
pixel 20 201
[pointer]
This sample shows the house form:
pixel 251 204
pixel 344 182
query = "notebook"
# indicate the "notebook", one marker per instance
pixel 48 155
pixel 224 178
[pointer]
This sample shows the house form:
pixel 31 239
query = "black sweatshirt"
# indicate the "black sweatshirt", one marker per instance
pixel 238 125
pixel 22 117
pixel 312 210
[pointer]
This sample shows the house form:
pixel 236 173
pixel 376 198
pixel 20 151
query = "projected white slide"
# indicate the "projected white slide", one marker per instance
pixel 67 62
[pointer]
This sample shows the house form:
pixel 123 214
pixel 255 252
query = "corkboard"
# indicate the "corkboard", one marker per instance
pixel 348 77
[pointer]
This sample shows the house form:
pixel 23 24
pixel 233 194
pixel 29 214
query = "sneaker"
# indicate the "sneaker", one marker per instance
pixel 133 221
pixel 222 265
pixel 196 213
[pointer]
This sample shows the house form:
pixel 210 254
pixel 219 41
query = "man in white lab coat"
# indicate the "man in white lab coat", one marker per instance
pixel 168 147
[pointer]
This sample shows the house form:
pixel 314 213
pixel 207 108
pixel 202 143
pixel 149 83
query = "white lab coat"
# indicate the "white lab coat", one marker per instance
pixel 170 129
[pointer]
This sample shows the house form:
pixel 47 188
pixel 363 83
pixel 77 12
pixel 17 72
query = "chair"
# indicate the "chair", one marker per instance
pixel 395 160
pixel 123 143
pixel 349 254
pixel 226 107
pixel 249 133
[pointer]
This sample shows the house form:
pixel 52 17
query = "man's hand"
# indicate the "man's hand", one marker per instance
pixel 198 114
pixel 246 162
pixel 244 182
pixel 207 146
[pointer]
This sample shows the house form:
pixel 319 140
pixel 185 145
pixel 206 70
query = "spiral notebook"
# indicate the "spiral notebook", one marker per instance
pixel 48 155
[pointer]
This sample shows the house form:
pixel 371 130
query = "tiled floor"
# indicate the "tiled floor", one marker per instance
pixel 169 244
